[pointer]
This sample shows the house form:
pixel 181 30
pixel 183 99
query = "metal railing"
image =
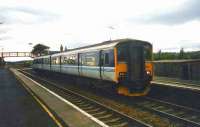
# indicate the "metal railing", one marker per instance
pixel 16 54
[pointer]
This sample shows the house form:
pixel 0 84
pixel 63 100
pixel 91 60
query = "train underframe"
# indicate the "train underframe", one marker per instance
pixel 137 88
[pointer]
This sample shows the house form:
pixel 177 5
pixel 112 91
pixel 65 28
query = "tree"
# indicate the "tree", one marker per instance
pixel 61 48
pixel 40 49
pixel 181 54
pixel 65 48
pixel 2 62
pixel 159 54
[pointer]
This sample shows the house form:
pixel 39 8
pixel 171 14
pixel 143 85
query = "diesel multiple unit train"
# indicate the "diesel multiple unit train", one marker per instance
pixel 124 65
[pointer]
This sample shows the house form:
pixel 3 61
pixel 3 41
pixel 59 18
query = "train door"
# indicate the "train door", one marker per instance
pixel 107 65
pixel 80 64
pixel 60 63
pixel 135 62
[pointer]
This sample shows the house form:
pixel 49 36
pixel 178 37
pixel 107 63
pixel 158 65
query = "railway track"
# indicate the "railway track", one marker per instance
pixel 107 115
pixel 184 116
pixel 187 116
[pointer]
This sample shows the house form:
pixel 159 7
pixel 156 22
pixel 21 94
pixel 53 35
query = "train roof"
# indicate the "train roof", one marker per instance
pixel 110 42
pixel 103 45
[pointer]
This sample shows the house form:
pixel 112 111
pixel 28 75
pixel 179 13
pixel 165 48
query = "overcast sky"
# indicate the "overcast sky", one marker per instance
pixel 167 24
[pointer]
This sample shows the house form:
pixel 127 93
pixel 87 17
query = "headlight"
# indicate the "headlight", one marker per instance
pixel 148 73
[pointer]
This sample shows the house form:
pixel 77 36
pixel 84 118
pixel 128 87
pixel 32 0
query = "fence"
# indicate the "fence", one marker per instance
pixel 183 69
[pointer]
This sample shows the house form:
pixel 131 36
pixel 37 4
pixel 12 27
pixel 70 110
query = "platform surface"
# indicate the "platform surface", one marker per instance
pixel 175 82
pixel 17 107
pixel 67 112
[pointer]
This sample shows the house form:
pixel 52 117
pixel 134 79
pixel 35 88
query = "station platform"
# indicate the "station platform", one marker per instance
pixel 63 111
pixel 177 91
pixel 17 107
pixel 175 82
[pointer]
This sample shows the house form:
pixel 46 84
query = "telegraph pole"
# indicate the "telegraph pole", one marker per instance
pixel 1 58
pixel 110 28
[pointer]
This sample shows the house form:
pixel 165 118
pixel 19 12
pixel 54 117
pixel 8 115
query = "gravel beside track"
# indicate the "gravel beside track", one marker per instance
pixel 150 110
pixel 100 111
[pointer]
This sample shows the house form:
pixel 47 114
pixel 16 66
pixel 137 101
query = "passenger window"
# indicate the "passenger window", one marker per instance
pixel 89 59
pixel 57 60
pixel 53 61
pixel 70 59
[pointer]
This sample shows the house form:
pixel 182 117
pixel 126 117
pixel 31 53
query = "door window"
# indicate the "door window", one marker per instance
pixel 108 58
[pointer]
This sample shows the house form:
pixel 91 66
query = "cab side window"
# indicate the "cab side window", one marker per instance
pixel 121 53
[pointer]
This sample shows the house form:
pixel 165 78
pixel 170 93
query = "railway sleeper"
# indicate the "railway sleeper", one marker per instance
pixel 193 118
pixel 112 120
pixel 106 117
pixel 74 98
pixel 80 102
pixel 115 123
pixel 85 105
pixel 90 107
pixel 168 110
pixel 181 114
pixel 124 124
pixel 92 111
pixel 151 105
pixel 160 108
pixel 100 114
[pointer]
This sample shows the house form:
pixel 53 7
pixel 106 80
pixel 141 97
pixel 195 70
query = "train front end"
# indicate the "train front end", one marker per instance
pixel 133 67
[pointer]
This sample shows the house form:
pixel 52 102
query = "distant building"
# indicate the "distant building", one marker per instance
pixel 53 52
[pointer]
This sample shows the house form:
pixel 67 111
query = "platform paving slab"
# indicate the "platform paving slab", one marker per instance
pixel 17 107
pixel 70 115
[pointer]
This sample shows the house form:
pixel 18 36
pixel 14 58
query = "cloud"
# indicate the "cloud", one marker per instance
pixel 25 15
pixel 187 44
pixel 5 38
pixel 1 19
pixel 188 11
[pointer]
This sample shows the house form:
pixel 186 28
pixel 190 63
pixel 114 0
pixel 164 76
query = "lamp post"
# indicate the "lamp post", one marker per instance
pixel 30 45
pixel 1 58
pixel 1 51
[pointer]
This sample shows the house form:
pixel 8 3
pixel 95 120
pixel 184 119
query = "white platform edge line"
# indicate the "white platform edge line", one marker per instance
pixel 69 103
pixel 178 86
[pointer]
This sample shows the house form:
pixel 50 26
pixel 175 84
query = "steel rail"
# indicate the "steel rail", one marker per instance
pixel 171 111
pixel 102 112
